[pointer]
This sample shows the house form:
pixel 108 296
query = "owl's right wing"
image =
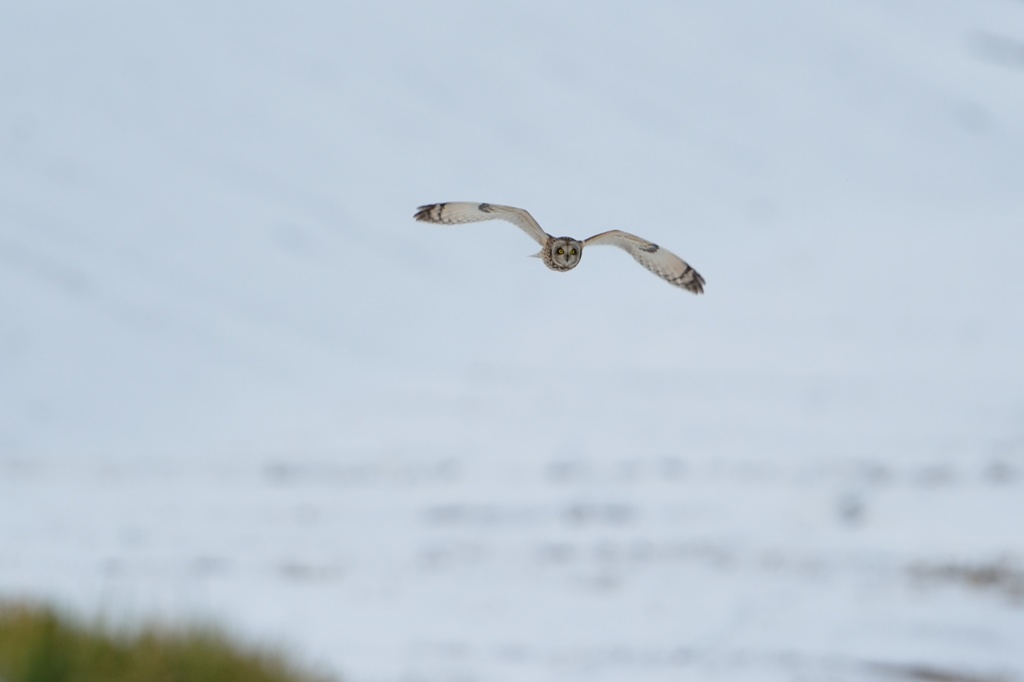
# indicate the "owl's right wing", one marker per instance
pixel 455 212
pixel 661 262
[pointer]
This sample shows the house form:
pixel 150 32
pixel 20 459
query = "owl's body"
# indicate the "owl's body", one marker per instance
pixel 564 253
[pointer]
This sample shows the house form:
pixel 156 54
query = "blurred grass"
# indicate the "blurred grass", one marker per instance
pixel 37 644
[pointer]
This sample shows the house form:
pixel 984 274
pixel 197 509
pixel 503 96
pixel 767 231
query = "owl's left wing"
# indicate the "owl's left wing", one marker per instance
pixel 455 212
pixel 661 262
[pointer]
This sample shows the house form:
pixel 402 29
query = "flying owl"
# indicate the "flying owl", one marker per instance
pixel 564 253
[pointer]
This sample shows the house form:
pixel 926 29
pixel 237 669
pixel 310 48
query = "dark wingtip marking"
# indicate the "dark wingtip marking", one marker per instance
pixel 697 285
pixel 426 213
pixel 690 280
pixel 486 208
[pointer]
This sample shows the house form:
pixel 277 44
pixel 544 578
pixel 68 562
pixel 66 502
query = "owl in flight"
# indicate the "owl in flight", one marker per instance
pixel 564 253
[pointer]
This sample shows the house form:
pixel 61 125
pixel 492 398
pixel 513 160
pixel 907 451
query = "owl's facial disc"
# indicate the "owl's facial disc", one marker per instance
pixel 565 252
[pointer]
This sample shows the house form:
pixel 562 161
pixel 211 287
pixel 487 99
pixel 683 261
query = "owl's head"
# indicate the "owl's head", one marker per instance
pixel 563 253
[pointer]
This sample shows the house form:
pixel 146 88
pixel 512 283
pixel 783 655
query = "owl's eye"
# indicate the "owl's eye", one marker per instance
pixel 560 250
pixel 572 252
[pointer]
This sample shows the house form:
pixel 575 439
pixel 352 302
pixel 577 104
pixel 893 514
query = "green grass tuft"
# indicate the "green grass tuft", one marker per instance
pixel 39 645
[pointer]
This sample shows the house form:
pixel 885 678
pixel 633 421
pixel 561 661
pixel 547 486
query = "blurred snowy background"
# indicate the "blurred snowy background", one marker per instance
pixel 239 383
